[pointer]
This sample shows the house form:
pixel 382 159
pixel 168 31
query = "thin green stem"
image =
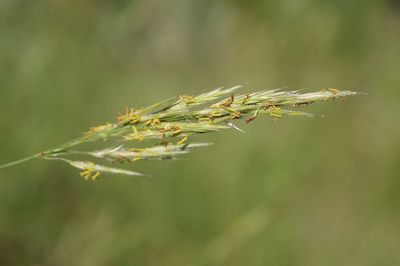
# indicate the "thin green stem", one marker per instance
pixel 19 161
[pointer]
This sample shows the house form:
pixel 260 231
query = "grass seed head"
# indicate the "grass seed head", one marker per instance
pixel 175 120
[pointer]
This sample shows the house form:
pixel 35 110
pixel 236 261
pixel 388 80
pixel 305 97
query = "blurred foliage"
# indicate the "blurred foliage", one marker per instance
pixel 295 192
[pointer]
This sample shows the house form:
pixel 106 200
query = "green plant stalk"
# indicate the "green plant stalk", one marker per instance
pixel 177 119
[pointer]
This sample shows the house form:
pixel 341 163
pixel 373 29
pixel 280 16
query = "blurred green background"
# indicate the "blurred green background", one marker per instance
pixel 296 192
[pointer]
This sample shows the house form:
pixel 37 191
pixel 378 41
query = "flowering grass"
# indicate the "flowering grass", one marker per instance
pixel 170 124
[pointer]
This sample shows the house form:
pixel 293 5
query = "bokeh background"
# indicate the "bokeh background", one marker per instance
pixel 296 192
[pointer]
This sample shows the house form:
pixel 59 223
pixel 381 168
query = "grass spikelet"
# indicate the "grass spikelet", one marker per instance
pixel 174 121
pixel 91 171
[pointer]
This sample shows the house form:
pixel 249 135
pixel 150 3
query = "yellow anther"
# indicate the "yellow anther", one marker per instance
pixel 275 113
pixel 138 137
pixel 246 99
pixel 88 172
pixel 127 116
pixel 134 119
pixel 174 129
pixel 96 176
pixel 186 99
pixel 153 122
pixel 130 116
pixel 227 103
pixel 136 150
pixel 97 129
pixel 204 119
pixel 234 114
pixel 214 115
pixel 85 174
pixel 183 140
pixel 176 132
